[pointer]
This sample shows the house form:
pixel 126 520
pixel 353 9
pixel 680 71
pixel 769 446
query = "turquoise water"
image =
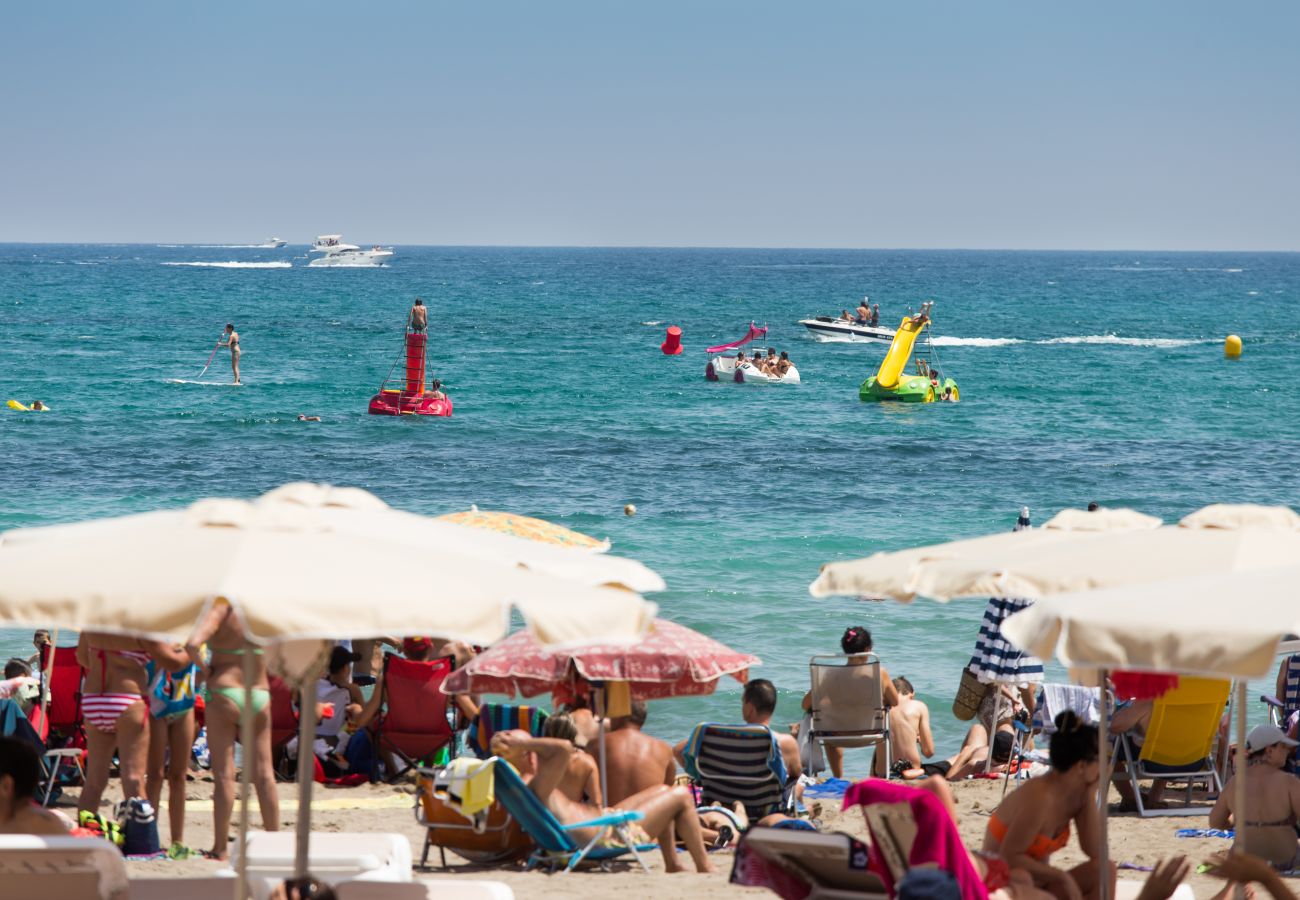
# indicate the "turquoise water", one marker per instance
pixel 1084 376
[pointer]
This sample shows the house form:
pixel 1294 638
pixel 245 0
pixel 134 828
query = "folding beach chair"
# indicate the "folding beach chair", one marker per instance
pixel 739 763
pixel 489 837
pixel 556 846
pixel 60 726
pixel 848 707
pixel 414 724
pixel 806 864
pixel 1051 701
pixel 494 717
pixel 1179 743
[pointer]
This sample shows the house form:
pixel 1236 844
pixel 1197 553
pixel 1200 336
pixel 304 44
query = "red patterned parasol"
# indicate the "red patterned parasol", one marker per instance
pixel 670 661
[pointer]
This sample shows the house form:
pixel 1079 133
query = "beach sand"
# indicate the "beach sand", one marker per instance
pixel 389 808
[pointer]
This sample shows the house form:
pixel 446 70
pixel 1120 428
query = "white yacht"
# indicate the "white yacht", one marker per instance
pixel 273 244
pixel 336 253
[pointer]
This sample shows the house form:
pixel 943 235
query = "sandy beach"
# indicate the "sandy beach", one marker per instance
pixel 389 808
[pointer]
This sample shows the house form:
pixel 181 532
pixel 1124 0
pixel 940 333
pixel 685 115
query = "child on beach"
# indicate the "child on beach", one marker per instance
pixel 909 727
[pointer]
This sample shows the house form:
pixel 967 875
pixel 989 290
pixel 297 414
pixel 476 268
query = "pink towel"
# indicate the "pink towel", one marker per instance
pixel 937 844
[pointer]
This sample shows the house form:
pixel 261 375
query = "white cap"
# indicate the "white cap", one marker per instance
pixel 1262 736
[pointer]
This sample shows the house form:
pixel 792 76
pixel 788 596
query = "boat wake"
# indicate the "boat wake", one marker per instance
pixel 947 341
pixel 1115 339
pixel 232 264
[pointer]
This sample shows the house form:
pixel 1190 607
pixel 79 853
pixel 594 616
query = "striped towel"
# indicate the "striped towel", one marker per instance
pixel 995 659
pixel 494 717
pixel 1291 688
pixel 737 763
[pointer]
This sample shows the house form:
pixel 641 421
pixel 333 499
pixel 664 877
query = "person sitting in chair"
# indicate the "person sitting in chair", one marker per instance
pixel 856 644
pixel 543 764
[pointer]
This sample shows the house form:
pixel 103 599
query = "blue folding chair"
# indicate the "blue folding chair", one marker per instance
pixel 556 846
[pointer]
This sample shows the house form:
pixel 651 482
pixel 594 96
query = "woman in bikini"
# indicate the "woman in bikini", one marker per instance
pixel 171 736
pixel 116 716
pixel 1272 799
pixel 223 696
pixel 1033 822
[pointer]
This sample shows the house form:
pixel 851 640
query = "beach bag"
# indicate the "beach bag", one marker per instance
pixel 970 693
pixel 139 824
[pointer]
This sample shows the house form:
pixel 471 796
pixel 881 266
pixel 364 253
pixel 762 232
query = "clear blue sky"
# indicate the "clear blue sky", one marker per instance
pixel 1154 125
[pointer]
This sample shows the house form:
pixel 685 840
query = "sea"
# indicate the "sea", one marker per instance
pixel 1084 376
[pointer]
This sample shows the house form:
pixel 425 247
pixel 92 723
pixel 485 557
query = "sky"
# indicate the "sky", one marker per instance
pixel 1005 125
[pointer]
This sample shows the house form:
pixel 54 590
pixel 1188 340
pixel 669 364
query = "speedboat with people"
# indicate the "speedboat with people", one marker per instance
pixel 891 381
pixel 749 370
pixel 336 253
pixel 838 328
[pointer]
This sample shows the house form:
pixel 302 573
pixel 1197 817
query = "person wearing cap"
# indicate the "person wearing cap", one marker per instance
pixel 1272 799
pixel 339 702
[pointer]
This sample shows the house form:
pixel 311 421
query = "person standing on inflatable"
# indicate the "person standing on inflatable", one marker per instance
pixel 419 317
pixel 231 340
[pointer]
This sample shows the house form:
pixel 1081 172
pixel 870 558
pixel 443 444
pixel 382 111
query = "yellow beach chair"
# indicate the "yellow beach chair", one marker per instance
pixel 1179 743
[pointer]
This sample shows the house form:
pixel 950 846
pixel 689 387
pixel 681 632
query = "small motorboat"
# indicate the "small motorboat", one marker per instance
pixel 834 328
pixel 721 367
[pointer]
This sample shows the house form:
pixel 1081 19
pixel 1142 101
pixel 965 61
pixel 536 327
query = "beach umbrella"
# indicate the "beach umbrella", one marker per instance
pixel 525 527
pixel 670 661
pixel 891 575
pixel 304 561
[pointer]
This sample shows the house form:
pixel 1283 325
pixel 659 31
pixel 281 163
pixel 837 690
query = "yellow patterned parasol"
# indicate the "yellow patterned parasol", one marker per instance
pixel 526 527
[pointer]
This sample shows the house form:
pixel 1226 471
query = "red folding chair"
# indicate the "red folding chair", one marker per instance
pixel 284 719
pixel 414 725
pixel 60 725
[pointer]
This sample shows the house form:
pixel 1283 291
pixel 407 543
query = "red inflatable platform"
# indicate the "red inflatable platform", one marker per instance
pixel 411 399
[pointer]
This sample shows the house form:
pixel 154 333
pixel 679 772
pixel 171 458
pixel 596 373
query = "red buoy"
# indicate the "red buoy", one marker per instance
pixel 411 399
pixel 672 344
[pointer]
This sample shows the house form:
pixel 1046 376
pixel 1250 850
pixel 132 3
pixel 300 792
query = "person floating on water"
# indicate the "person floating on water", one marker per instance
pixel 303 417
pixel 418 319
pixel 37 405
pixel 231 340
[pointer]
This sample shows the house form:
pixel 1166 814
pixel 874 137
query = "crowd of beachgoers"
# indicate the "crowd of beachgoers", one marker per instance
pixel 154 713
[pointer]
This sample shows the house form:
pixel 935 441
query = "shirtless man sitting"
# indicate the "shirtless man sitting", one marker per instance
pixel 20 770
pixel 909 728
pixel 634 761
pixel 669 811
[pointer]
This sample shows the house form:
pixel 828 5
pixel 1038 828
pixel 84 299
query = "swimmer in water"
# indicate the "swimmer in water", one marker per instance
pixel 306 418
pixel 231 340
pixel 37 405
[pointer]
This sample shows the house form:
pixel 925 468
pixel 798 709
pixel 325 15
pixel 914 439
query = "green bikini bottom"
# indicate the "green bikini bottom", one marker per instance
pixel 261 696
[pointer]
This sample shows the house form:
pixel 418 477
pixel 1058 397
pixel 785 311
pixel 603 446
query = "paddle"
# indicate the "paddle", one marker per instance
pixel 211 356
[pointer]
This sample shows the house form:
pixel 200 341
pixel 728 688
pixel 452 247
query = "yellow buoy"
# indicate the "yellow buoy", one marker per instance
pixel 1232 346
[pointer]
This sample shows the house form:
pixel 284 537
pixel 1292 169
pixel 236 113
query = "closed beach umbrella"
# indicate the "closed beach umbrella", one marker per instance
pixel 892 575
pixel 995 659
pixel 525 527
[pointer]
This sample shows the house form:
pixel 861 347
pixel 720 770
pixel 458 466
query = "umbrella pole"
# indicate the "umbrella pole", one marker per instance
pixel 49 671
pixel 1239 820
pixel 306 773
pixel 1103 789
pixel 993 726
pixel 245 771
pixel 600 713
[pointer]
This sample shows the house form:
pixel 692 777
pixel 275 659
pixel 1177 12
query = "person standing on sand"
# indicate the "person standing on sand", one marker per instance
pixel 418 318
pixel 231 339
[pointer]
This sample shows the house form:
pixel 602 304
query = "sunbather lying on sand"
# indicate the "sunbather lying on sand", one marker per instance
pixel 669 811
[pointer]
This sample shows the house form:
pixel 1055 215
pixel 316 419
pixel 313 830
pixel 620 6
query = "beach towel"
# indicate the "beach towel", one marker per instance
pixel 494 717
pixel 996 659
pixel 1054 699
pixel 831 787
pixel 470 785
pixel 1291 685
pixel 1204 833
pixel 919 833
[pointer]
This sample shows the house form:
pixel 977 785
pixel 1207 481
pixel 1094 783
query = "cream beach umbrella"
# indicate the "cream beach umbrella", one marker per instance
pixel 1229 625
pixel 1216 539
pixel 892 575
pixel 305 561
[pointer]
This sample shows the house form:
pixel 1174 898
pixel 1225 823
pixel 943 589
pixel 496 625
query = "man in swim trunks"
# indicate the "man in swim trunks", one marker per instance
pixel 864 312
pixel 231 340
pixel 418 318
pixel 634 761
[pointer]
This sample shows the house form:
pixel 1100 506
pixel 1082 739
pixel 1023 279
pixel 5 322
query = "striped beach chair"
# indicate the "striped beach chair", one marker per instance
pixel 739 763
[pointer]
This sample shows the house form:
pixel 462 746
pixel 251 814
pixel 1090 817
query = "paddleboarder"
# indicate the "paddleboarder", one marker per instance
pixel 231 340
